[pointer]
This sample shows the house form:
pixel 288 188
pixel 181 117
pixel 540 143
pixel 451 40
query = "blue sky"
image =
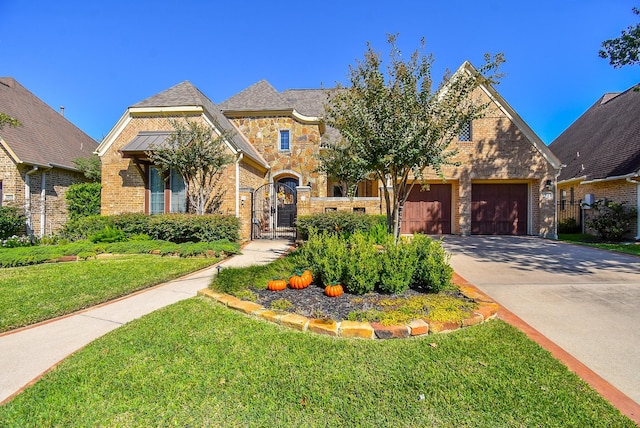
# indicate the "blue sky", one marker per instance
pixel 97 58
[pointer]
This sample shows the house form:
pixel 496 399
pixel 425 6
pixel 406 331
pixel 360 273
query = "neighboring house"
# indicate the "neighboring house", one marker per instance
pixel 499 187
pixel 601 150
pixel 36 157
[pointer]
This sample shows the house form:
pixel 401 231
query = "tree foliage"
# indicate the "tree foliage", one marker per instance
pixel 339 163
pixel 5 120
pixel 198 154
pixel 397 125
pixel 90 167
pixel 83 200
pixel 623 50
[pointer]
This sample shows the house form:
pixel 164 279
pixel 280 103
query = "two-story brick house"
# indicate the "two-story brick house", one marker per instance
pixel 36 158
pixel 499 187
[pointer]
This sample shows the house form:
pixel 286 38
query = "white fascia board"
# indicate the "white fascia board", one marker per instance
pixel 113 133
pixel 172 110
pixel 212 124
pixel 618 177
pixel 571 180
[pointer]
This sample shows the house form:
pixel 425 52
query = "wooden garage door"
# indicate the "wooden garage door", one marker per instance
pixel 499 209
pixel 428 211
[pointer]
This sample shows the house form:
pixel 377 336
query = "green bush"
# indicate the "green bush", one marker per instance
pixel 12 222
pixel 108 234
pixel 568 225
pixel 338 222
pixel 83 200
pixel 362 269
pixel 613 221
pixel 433 271
pixel 176 228
pixel 398 263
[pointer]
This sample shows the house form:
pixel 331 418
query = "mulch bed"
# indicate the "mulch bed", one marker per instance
pixel 311 302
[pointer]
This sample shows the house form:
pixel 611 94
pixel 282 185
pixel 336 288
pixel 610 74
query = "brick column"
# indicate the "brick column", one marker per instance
pixel 244 213
pixel 303 203
pixel 464 201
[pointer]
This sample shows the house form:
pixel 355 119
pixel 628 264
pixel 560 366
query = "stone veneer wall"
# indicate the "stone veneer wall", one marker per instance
pixel 304 143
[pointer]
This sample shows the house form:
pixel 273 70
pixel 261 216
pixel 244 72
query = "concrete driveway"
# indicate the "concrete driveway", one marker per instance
pixel 585 300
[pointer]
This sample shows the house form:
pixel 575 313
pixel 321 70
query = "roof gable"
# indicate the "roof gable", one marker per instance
pixel 45 137
pixel 604 141
pixel 260 96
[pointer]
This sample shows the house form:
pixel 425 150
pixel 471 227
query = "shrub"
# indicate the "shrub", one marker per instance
pixel 398 263
pixel 339 222
pixel 433 271
pixel 108 234
pixel 16 241
pixel 613 220
pixel 11 222
pixel 83 200
pixel 362 268
pixel 568 225
pixel 332 266
pixel 84 227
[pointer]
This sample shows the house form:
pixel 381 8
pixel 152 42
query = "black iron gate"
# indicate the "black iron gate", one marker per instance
pixel 273 214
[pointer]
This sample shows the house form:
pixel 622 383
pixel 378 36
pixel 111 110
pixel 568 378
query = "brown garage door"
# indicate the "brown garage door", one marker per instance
pixel 428 211
pixel 499 209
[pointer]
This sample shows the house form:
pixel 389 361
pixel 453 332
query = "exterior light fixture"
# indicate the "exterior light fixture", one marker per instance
pixel 547 193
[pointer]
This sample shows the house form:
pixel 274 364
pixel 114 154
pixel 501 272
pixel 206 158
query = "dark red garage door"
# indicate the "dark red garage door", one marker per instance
pixel 428 211
pixel 499 209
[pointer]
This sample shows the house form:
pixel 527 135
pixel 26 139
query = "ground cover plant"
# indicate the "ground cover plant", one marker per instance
pixel 37 293
pixel 197 363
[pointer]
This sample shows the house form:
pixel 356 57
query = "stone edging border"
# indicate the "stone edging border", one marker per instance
pixel 486 310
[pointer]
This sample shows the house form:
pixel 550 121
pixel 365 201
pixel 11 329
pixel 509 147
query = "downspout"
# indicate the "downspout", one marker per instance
pixel 43 202
pixel 27 199
pixel 240 156
pixel 637 205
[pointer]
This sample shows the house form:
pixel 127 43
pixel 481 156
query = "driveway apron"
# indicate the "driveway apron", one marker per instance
pixel 585 300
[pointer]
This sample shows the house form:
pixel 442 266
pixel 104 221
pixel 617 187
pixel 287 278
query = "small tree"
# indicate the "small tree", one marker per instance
pixel 199 155
pixel 5 120
pixel 83 200
pixel 623 50
pixel 90 167
pixel 613 220
pixel 396 125
pixel 338 163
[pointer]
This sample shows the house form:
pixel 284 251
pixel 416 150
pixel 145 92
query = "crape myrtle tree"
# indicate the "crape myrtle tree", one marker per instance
pixel 623 50
pixel 197 152
pixel 338 162
pixel 396 125
pixel 5 119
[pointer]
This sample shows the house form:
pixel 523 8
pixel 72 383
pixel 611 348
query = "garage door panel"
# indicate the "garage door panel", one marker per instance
pixel 499 209
pixel 428 211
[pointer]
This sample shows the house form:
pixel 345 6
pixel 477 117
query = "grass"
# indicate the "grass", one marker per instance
pixel 592 241
pixel 197 363
pixel 36 293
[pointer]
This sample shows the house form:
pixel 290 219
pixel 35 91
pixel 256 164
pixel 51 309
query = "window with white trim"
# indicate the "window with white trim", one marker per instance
pixel 156 191
pixel 285 144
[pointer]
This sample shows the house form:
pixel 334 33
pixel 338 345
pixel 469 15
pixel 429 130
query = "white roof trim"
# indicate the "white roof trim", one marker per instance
pixel 614 178
pixel 113 133
pixel 172 109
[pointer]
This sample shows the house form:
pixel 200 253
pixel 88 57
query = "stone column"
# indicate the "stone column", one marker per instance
pixel 244 212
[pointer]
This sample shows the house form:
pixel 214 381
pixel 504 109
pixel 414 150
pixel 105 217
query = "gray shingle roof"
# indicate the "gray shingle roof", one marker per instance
pixel 257 97
pixel 185 94
pixel 604 141
pixel 45 137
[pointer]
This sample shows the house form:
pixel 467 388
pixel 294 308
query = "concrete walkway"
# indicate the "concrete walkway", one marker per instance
pixel 26 354
pixel 586 301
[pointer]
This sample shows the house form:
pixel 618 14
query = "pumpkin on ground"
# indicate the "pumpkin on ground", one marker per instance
pixel 277 284
pixel 300 279
pixel 334 290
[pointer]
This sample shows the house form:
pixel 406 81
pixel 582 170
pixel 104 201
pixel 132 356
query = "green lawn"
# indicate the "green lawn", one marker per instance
pixel 36 293
pixel 197 363
pixel 591 241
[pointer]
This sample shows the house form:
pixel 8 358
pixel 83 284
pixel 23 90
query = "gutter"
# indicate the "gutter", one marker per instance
pixel 619 177
pixel 239 158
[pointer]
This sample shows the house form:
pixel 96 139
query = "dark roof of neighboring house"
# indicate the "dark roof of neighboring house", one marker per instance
pixel 185 94
pixel 604 141
pixel 45 137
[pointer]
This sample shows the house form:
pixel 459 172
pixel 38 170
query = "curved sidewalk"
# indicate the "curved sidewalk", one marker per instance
pixel 28 353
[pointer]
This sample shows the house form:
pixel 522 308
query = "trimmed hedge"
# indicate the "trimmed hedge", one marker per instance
pixel 340 222
pixel 176 228
pixel 11 222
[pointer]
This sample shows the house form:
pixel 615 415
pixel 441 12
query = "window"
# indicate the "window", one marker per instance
pixel 156 191
pixel 284 140
pixel 465 132
pixel 563 199
pixel 178 193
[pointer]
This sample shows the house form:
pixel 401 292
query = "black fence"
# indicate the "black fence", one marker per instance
pixel 570 217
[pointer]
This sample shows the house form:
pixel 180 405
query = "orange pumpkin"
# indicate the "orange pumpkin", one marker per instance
pixel 308 276
pixel 334 290
pixel 277 284
pixel 299 280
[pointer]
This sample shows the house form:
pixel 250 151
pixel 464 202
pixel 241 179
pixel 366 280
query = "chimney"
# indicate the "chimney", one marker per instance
pixel 62 110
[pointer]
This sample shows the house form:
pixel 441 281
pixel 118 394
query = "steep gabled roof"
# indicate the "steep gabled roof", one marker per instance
pixel 309 102
pixel 260 96
pixel 186 95
pixel 45 137
pixel 603 142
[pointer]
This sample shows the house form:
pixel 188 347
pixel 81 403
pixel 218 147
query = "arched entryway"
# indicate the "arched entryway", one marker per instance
pixel 274 210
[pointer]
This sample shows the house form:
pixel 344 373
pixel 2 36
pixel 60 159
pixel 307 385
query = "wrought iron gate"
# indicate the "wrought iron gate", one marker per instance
pixel 273 214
